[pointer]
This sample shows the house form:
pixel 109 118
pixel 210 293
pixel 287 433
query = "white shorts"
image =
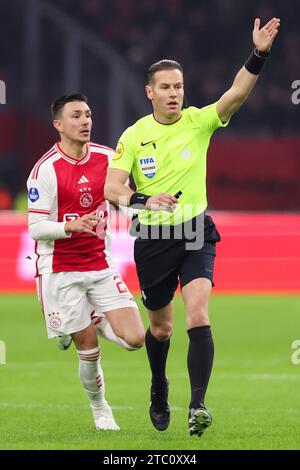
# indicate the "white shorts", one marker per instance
pixel 69 298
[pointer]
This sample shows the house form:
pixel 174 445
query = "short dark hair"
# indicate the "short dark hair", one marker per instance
pixel 164 64
pixel 58 104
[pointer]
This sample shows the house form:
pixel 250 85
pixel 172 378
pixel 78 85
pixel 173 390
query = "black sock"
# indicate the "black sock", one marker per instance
pixel 157 354
pixel 200 360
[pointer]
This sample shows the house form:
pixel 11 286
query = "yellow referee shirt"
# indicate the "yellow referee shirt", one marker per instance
pixel 167 158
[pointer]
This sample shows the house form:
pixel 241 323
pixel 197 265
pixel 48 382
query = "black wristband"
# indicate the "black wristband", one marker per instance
pixel 255 62
pixel 138 199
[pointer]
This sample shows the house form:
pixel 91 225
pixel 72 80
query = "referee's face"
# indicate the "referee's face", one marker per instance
pixel 166 93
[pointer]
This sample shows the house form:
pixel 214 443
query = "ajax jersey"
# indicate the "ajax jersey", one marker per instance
pixel 61 188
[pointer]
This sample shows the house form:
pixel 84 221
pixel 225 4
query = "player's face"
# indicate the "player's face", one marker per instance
pixel 166 92
pixel 75 122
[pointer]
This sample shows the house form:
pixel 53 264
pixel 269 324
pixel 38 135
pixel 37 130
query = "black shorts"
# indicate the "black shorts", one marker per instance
pixel 162 263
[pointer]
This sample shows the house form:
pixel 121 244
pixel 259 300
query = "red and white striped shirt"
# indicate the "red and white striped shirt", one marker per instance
pixel 61 188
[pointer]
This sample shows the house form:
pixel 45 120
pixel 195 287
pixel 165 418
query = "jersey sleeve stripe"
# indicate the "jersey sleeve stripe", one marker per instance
pixel 35 171
pixel 41 163
pixel 41 159
pixel 38 211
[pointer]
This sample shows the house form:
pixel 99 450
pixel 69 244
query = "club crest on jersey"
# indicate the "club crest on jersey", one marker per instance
pixel 148 166
pixel 86 199
pixel 33 194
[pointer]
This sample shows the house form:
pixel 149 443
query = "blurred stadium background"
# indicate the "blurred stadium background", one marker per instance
pixel 102 48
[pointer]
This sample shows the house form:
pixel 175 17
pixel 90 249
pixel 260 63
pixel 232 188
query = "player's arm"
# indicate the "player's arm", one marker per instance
pixel 42 228
pixel 246 78
pixel 116 190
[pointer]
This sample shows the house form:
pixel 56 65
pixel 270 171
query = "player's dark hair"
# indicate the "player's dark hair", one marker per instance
pixel 164 64
pixel 58 104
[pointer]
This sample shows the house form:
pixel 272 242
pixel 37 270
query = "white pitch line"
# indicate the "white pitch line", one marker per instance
pixel 278 377
pixel 174 408
pixel 20 365
pixel 57 406
pixel 265 410
pixel 218 362
pixel 69 407
pixel 262 376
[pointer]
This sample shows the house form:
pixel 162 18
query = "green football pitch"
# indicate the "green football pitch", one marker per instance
pixel 254 392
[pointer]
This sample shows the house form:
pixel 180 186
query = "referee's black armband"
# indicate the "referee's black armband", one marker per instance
pixel 138 199
pixel 256 61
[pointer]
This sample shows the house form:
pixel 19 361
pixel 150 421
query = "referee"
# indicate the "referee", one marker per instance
pixel 165 153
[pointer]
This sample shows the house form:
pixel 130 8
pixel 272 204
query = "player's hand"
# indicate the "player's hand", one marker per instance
pixel 162 202
pixel 263 38
pixel 85 224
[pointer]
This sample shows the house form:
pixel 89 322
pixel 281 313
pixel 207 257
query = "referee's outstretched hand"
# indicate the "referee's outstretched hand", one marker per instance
pixel 84 224
pixel 162 202
pixel 263 37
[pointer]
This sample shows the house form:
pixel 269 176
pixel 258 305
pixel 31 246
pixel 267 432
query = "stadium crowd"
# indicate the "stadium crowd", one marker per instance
pixel 211 40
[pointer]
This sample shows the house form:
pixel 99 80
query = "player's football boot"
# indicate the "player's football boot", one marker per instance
pixel 159 407
pixel 103 418
pixel 64 342
pixel 199 420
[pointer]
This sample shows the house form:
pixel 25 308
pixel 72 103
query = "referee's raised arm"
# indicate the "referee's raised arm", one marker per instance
pixel 246 78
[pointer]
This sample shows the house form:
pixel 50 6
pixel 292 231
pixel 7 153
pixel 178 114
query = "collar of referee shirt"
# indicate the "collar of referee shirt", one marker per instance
pixel 165 123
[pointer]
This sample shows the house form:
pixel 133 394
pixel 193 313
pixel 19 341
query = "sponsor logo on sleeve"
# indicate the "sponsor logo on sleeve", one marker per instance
pixel 148 166
pixel 33 194
pixel 119 151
